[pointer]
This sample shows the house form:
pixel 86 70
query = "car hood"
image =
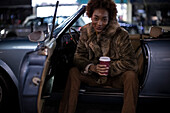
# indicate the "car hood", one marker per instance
pixel 17 43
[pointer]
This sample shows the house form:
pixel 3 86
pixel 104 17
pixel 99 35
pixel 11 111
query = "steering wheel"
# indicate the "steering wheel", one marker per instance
pixel 75 39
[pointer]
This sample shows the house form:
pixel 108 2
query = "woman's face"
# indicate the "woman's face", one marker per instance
pixel 100 19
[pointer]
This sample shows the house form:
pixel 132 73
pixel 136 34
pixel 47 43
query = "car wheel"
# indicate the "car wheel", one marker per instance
pixel 3 93
pixel 8 100
pixel 133 31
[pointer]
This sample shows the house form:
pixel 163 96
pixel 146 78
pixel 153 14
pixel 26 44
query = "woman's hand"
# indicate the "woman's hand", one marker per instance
pixel 99 69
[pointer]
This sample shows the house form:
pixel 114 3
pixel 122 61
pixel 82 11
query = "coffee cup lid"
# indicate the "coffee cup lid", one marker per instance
pixel 104 58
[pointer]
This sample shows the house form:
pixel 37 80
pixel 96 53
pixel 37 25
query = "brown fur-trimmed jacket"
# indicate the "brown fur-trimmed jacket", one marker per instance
pixel 113 42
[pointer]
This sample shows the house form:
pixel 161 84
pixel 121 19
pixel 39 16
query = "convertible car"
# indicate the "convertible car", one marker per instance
pixel 34 67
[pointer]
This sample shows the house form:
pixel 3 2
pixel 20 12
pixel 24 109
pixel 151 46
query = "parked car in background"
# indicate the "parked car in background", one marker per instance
pixel 33 23
pixel 33 69
pixel 131 28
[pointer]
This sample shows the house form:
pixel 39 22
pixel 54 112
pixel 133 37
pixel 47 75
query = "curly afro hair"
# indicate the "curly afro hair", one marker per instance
pixel 109 5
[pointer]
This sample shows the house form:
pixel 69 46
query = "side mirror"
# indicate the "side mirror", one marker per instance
pixel 36 36
pixel 155 31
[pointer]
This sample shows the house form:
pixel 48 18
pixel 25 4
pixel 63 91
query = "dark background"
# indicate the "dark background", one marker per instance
pixel 17 10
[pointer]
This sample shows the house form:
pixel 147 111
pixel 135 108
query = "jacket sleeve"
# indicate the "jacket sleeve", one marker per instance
pixel 126 59
pixel 81 55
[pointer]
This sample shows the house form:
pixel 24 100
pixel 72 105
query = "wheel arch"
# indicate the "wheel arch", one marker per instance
pixel 12 89
pixel 8 74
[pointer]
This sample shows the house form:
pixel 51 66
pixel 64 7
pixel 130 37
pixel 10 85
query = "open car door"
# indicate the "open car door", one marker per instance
pixel 34 72
pixel 35 69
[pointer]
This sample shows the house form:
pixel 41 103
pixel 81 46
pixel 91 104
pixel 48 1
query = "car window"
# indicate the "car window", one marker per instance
pixel 58 20
pixel 47 20
pixel 36 22
pixel 61 19
pixel 79 23
pixel 28 23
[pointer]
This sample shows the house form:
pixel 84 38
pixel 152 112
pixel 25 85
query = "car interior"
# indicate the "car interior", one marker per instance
pixel 64 51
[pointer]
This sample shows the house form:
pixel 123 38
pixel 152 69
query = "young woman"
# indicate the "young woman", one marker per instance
pixel 102 37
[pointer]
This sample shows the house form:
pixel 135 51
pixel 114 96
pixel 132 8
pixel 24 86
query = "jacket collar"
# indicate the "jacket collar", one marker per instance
pixel 106 36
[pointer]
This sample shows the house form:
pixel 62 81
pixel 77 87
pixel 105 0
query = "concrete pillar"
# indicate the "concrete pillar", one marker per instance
pixel 34 11
pixel 129 12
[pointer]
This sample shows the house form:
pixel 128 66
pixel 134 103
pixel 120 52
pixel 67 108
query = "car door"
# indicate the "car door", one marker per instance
pixel 36 67
pixel 34 70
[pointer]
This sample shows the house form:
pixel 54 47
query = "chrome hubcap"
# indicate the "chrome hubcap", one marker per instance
pixel 0 94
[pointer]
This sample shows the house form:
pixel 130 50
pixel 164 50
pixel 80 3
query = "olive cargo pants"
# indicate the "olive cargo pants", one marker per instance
pixel 128 81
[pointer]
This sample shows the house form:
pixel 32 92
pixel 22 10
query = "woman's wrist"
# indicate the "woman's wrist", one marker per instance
pixel 92 68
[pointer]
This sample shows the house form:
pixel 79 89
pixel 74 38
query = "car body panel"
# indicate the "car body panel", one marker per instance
pixel 157 82
pixel 11 49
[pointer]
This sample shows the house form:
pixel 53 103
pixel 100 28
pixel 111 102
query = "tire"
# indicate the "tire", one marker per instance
pixel 8 96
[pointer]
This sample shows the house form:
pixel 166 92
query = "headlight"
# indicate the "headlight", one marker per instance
pixel 2 31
